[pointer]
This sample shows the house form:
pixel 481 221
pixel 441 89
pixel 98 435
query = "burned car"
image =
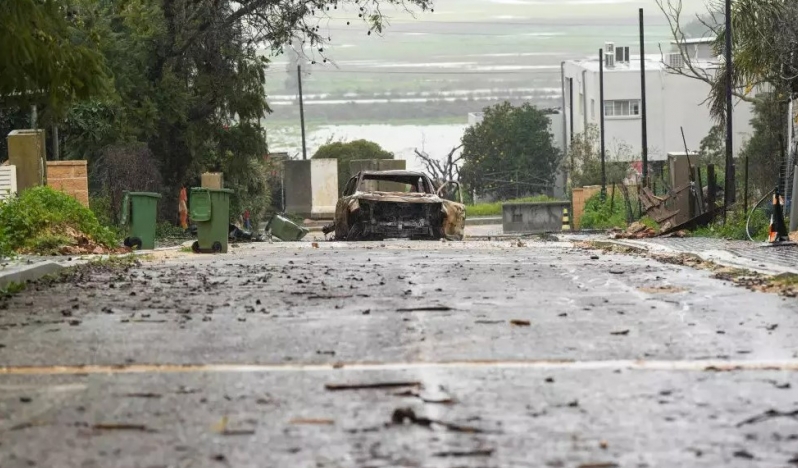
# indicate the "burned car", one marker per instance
pixel 398 204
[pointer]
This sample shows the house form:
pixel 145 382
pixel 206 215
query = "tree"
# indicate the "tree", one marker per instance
pixel 584 160
pixel 763 46
pixel 46 59
pixel 186 70
pixel 511 152
pixel 712 149
pixel 348 152
pixel 441 170
pixel 764 149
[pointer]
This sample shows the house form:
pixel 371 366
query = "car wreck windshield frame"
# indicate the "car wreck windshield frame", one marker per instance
pixel 409 180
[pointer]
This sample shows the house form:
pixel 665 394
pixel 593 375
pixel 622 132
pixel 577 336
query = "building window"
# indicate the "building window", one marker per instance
pixel 592 108
pixel 622 108
pixel 581 104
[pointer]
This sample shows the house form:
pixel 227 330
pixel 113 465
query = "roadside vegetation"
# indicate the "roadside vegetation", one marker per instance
pixel 45 221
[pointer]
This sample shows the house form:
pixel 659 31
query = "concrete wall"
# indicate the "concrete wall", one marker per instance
pixel 532 218
pixel 673 101
pixel 70 177
pixel 311 187
pixel 298 191
pixel 8 181
pixel 324 184
pixel 26 151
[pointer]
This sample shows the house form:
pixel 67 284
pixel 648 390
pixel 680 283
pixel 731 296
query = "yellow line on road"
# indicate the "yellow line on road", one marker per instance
pixel 698 365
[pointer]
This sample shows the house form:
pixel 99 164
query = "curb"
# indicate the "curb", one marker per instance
pixel 721 257
pixel 26 273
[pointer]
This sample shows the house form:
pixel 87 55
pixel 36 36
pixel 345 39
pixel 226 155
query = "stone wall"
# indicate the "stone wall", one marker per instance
pixel 533 218
pixel 70 177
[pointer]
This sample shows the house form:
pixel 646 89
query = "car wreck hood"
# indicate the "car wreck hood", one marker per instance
pixel 398 197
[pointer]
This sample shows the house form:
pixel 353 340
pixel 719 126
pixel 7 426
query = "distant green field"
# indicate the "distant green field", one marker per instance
pixel 495 209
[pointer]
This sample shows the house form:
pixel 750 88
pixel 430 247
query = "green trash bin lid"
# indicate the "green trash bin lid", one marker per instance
pixel 143 194
pixel 200 201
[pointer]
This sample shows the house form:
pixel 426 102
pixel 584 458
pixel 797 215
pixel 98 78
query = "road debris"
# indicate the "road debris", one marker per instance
pixel 426 309
pixel 312 421
pixel 468 453
pixel 769 414
pixel 520 323
pixel 142 395
pixel 122 427
pixel 439 396
pixel 662 289
pixel 620 333
pixel 371 386
pixel 401 416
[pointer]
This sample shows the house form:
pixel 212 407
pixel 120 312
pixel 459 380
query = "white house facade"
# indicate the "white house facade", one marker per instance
pixel 673 101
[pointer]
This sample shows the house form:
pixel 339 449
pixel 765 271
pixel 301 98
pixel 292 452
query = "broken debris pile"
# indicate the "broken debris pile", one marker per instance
pixel 636 230
pixel 78 243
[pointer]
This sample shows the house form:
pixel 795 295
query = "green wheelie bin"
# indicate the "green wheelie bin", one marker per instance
pixel 210 210
pixel 140 214
pixel 285 229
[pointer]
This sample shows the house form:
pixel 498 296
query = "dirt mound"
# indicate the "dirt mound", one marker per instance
pixel 81 244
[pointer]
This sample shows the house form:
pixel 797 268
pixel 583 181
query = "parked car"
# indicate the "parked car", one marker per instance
pixel 398 204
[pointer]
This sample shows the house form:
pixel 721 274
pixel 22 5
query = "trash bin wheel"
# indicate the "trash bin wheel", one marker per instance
pixel 133 242
pixel 195 247
pixel 217 247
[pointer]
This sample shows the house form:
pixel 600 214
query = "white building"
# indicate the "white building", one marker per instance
pixel 673 101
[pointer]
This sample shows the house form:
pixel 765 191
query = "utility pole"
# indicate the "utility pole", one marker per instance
pixel 571 106
pixel 601 114
pixel 301 111
pixel 56 144
pixel 729 195
pixel 643 108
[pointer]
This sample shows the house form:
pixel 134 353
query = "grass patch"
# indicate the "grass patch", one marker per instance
pixel 734 227
pixel 11 288
pixel 495 208
pixel 42 220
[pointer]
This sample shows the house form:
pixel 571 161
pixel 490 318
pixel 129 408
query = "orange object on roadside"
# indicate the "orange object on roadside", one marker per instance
pixel 182 208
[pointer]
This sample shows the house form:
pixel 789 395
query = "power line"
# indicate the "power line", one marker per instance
pixel 535 35
pixel 632 22
pixel 430 72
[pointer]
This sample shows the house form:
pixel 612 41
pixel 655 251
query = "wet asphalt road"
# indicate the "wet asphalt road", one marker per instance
pixel 223 361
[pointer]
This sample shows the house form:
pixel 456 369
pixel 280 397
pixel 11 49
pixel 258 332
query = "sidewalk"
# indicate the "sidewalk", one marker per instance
pixel 739 254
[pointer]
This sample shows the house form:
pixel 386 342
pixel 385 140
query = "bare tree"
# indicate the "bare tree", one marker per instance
pixel 442 170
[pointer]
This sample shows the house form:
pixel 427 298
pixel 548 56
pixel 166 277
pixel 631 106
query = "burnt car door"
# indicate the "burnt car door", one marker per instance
pixel 454 223
pixel 342 208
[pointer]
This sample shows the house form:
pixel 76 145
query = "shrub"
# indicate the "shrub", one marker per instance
pixel 41 219
pixel 605 214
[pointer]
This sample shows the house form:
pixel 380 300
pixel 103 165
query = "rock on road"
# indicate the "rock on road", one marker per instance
pixel 478 354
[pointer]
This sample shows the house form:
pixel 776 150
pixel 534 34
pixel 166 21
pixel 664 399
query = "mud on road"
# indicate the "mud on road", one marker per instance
pixel 399 354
